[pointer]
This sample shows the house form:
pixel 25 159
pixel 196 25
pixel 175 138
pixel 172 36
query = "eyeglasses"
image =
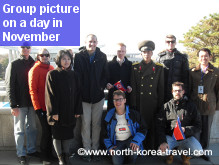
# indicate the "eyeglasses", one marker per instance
pixel 171 42
pixel 27 47
pixel 42 55
pixel 177 91
pixel 118 100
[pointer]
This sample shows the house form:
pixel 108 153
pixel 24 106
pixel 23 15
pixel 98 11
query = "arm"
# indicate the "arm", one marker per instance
pixel 107 141
pixel 105 74
pixel 160 88
pixel 33 80
pixel 185 74
pixel 78 99
pixel 133 94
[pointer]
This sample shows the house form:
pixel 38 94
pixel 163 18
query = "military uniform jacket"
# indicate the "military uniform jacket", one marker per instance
pixel 207 102
pixel 147 96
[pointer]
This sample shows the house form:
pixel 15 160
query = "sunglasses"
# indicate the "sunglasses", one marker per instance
pixel 170 42
pixel 42 55
pixel 28 47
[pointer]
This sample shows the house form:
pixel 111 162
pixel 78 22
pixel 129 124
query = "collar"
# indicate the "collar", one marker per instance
pixel 198 68
pixel 111 114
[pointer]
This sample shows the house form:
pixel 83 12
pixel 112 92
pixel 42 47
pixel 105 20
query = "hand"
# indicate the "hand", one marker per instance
pixel 15 111
pixel 55 117
pixel 129 89
pixel 110 151
pixel 163 147
pixel 77 116
pixel 109 86
pixel 134 146
pixel 183 129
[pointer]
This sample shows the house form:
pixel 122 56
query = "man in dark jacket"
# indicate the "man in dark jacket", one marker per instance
pixel 176 66
pixel 147 82
pixel 125 129
pixel 190 124
pixel 119 70
pixel 91 64
pixel 17 88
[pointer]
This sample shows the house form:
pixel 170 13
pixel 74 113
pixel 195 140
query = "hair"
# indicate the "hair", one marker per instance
pixel 119 93
pixel 121 44
pixel 61 54
pixel 91 35
pixel 41 52
pixel 171 36
pixel 205 50
pixel 179 84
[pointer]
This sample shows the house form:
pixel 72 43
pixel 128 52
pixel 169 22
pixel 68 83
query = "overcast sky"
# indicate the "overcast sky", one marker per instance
pixel 131 21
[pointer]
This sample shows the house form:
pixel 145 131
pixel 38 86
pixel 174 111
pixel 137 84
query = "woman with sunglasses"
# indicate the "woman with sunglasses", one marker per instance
pixel 63 103
pixel 37 78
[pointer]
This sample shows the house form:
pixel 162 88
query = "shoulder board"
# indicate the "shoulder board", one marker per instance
pixel 157 63
pixel 162 53
pixel 135 63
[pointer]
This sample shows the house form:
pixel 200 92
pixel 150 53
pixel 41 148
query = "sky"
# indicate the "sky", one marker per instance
pixel 131 21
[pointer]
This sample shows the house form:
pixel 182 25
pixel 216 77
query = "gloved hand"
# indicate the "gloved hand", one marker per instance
pixel 39 112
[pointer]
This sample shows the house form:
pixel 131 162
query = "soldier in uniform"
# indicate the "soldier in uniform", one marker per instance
pixel 147 82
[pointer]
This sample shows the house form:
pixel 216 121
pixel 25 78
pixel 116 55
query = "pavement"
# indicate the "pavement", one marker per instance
pixel 8 157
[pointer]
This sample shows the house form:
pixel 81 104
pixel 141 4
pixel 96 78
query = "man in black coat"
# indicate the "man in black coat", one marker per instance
pixel 17 88
pixel 119 70
pixel 176 66
pixel 91 64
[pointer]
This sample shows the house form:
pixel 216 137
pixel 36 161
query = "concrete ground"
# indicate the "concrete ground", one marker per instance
pixel 8 157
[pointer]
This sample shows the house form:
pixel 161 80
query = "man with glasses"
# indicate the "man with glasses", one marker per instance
pixel 186 111
pixel 176 66
pixel 124 130
pixel 16 80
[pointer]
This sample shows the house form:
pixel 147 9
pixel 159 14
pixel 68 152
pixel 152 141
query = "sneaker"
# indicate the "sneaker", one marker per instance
pixel 169 159
pixel 22 160
pixel 34 154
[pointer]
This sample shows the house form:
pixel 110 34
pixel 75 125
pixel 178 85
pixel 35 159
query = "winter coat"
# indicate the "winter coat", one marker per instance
pixel 63 98
pixel 117 73
pixel 93 75
pixel 176 68
pixel 207 102
pixel 136 125
pixel 37 81
pixel 16 79
pixel 147 82
pixel 167 117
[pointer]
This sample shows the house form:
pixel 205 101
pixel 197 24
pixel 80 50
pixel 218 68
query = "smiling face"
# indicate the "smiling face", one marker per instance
pixel 65 62
pixel 91 43
pixel 177 92
pixel 204 58
pixel 25 50
pixel 119 102
pixel 44 56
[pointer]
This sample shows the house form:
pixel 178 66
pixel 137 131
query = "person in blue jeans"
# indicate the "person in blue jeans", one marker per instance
pixel 16 80
pixel 186 111
pixel 124 130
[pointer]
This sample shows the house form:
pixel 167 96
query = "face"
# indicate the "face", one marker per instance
pixel 65 61
pixel 203 58
pixel 170 43
pixel 44 57
pixel 91 44
pixel 121 51
pixel 146 55
pixel 177 92
pixel 25 50
pixel 119 101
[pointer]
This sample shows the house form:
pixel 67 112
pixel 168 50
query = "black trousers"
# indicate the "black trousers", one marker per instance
pixel 46 138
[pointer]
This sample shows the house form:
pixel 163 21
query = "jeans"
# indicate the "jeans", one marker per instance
pixel 189 143
pixel 91 124
pixel 25 122
pixel 120 159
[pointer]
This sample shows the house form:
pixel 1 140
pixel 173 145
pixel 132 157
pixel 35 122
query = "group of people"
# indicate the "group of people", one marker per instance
pixel 145 101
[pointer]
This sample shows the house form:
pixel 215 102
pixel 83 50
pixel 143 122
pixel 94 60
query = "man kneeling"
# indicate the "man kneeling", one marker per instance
pixel 177 124
pixel 125 131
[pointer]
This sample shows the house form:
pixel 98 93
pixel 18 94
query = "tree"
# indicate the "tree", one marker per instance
pixel 204 35
pixel 3 66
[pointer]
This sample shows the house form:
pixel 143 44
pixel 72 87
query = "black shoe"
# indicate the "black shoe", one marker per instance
pixel 205 157
pixel 34 154
pixel 86 158
pixel 96 158
pixel 22 160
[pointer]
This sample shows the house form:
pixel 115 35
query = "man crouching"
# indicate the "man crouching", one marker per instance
pixel 125 130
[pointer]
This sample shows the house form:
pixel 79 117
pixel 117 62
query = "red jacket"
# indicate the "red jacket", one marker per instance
pixel 37 80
